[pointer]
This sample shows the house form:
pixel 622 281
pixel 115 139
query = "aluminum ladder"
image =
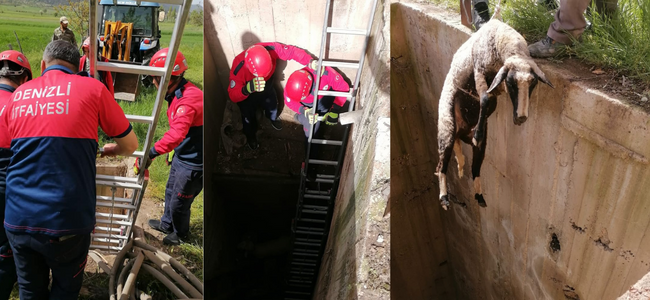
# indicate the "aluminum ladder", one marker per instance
pixel 311 224
pixel 111 229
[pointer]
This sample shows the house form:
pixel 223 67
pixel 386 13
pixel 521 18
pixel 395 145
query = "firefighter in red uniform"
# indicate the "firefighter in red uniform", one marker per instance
pixel 14 71
pixel 299 96
pixel 251 83
pixel 84 66
pixel 50 195
pixel 183 144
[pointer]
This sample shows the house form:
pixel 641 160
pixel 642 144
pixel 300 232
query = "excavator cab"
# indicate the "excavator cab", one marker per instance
pixel 129 34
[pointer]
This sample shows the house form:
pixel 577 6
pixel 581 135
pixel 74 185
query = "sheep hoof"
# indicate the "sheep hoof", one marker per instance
pixel 444 202
pixel 481 201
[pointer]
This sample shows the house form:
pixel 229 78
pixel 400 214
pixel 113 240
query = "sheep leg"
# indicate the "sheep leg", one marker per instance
pixel 481 88
pixel 477 160
pixel 445 148
pixel 460 158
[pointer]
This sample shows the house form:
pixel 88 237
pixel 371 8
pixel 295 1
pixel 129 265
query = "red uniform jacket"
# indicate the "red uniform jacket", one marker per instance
pixel 239 74
pixel 185 135
pixel 329 81
pixel 106 77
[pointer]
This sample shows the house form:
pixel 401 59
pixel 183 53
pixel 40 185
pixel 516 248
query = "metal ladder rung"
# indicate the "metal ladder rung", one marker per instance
pixel 306 250
pixel 108 229
pixel 109 215
pixel 109 204
pixel 109 198
pixel 130 69
pixel 123 223
pixel 120 184
pixel 306 254
pixel 137 154
pixel 315 207
pixel 334 94
pixel 312 220
pixel 140 119
pixel 113 236
pixel 323 162
pixel 315 212
pixel 309 196
pixel 340 64
pixel 326 142
pixel 103 240
pixel 346 31
pixel 309 232
pixel 303 264
pixel 173 2
pixel 314 192
pixel 116 178
pixel 298 293
pixel 300 281
pixel 300 286
pixel 106 247
pixel 307 244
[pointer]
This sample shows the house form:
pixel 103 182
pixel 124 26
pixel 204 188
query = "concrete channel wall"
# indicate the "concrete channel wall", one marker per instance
pixel 356 263
pixel 567 192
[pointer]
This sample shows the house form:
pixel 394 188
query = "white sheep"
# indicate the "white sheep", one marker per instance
pixel 494 54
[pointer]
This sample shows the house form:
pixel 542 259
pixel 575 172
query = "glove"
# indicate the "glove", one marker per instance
pixel 313 64
pixel 308 113
pixel 170 157
pixel 255 85
pixel 331 118
pixel 137 166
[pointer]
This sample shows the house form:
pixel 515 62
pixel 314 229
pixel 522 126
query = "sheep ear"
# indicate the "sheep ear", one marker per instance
pixel 541 76
pixel 501 76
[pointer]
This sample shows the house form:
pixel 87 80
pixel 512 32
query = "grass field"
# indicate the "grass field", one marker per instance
pixel 35 32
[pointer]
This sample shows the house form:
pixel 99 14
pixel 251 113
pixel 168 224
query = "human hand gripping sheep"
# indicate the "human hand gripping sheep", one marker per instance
pixel 493 55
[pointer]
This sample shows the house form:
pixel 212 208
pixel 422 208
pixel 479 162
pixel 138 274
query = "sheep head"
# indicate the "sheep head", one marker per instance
pixel 521 76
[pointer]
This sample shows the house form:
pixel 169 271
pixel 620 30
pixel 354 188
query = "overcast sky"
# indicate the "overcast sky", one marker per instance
pixel 197 2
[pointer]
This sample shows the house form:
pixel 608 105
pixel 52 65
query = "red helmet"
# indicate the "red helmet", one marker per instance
pixel 86 44
pixel 258 61
pixel 180 64
pixel 299 85
pixel 17 58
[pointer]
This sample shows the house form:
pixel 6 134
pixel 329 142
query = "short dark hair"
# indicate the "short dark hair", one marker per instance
pixel 62 50
pixel 12 66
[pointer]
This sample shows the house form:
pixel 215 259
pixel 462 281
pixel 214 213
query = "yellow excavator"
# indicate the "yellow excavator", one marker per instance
pixel 129 34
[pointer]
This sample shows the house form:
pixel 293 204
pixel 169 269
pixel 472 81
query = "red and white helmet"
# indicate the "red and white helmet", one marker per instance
pixel 258 61
pixel 17 58
pixel 299 85
pixel 86 44
pixel 180 64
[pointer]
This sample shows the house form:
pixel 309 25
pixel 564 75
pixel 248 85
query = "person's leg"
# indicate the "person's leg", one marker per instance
pixel 480 13
pixel 569 21
pixel 7 267
pixel 248 109
pixel 166 223
pixel 270 105
pixel 31 267
pixel 187 186
pixel 67 259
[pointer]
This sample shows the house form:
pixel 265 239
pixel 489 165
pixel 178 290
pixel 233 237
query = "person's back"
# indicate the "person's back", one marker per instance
pixel 50 196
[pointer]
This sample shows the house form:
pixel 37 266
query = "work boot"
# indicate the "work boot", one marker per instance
pixel 157 225
pixel 172 239
pixel 277 124
pixel 252 143
pixel 547 47
pixel 480 14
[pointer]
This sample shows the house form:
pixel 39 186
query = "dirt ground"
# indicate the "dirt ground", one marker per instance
pixel 611 82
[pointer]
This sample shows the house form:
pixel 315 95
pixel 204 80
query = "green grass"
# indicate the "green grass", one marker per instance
pixel 620 41
pixel 35 32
